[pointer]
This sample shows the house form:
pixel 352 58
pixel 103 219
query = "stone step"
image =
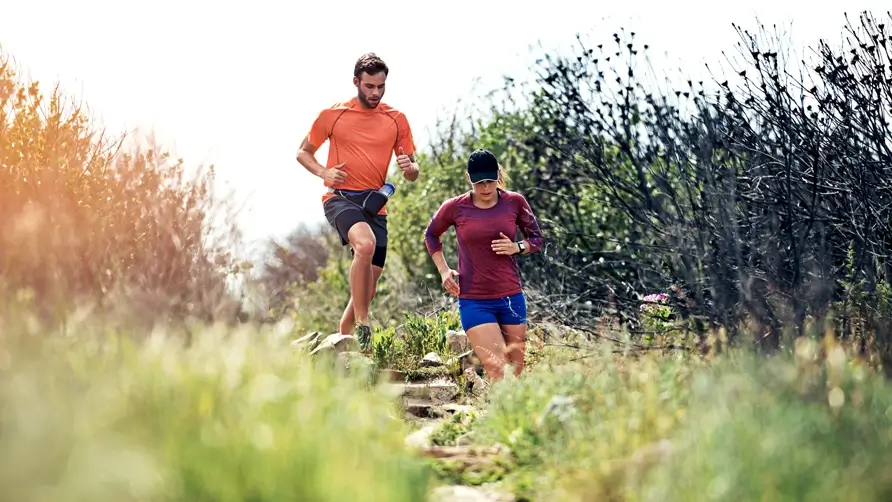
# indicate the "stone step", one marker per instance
pixel 392 376
pixel 463 493
pixel 423 399
pixel 426 408
pixel 438 391
pixel 422 408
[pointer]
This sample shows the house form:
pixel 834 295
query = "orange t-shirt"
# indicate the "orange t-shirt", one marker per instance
pixel 364 139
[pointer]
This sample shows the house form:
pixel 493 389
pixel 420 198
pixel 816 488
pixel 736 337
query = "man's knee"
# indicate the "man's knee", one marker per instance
pixel 362 241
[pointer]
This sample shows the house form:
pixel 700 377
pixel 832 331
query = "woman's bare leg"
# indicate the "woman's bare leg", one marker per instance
pixel 515 336
pixel 489 346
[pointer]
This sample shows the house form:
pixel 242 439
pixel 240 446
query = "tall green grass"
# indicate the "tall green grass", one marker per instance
pixel 811 424
pixel 815 426
pixel 96 414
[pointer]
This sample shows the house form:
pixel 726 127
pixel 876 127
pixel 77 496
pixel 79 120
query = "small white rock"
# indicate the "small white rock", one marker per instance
pixel 457 341
pixel 338 343
pixel 421 438
pixel 431 359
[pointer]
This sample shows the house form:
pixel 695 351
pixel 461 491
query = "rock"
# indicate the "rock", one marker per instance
pixel 462 493
pixel 465 360
pixel 421 408
pixel 426 407
pixel 307 342
pixel 421 438
pixel 423 399
pixel 478 385
pixel 443 393
pixel 394 389
pixel 458 408
pixel 470 360
pixel 464 440
pixel 349 361
pixel 431 359
pixel 439 392
pixel 336 343
pixel 389 375
pixel 457 341
pixel 459 493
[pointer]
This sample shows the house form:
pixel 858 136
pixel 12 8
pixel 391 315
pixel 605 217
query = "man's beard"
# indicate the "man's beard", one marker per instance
pixel 366 103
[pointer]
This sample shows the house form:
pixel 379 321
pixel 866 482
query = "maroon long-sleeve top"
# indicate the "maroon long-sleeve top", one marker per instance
pixel 483 274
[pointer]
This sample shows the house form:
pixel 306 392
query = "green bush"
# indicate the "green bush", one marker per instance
pixel 443 177
pixel 402 348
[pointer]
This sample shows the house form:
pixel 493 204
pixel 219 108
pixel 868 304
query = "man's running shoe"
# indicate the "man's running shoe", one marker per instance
pixel 364 336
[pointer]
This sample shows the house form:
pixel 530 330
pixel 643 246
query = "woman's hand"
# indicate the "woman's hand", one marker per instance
pixel 505 246
pixel 448 279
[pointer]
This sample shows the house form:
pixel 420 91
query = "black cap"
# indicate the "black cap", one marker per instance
pixel 483 166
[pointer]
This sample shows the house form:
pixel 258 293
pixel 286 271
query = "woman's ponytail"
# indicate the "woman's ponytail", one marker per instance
pixel 503 178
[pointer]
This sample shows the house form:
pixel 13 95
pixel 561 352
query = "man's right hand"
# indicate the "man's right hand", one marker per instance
pixel 334 175
pixel 448 279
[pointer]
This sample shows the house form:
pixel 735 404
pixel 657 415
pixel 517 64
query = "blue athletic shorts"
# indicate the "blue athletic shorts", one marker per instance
pixel 510 310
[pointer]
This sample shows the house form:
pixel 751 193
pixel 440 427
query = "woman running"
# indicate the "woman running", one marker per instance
pixel 491 301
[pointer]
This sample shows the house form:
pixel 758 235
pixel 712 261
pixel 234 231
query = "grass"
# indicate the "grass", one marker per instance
pixel 811 424
pixel 92 412
pixel 782 429
pixel 236 416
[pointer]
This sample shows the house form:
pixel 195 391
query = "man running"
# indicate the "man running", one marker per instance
pixel 363 134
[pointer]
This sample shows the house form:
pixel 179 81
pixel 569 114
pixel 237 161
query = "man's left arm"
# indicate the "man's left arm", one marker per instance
pixel 406 143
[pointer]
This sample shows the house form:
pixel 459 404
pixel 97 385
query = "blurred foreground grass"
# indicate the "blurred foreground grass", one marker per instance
pixel 91 411
pixel 236 416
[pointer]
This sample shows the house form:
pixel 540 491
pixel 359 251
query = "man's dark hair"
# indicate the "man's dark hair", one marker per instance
pixel 370 64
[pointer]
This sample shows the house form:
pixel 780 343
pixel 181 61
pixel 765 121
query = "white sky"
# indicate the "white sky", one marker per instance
pixel 238 86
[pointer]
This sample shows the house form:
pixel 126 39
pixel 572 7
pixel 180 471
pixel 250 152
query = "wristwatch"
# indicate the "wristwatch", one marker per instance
pixel 521 246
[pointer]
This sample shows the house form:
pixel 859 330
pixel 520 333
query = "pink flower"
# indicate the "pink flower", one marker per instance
pixel 653 298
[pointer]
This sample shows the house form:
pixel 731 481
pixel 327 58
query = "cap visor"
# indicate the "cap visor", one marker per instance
pixel 479 177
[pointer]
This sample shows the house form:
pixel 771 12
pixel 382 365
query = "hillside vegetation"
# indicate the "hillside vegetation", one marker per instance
pixel 709 317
